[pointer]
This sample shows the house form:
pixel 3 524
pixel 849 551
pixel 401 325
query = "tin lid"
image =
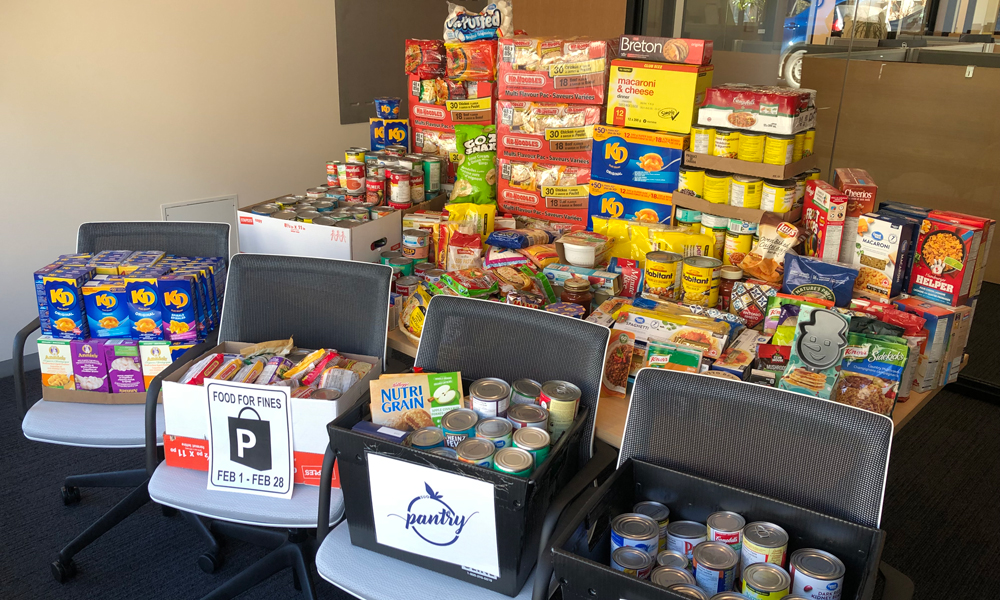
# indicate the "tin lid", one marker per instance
pixel 687 169
pixel 532 438
pixel 668 576
pixel 422 267
pixel 307 214
pixel 817 564
pixel 635 526
pixel 459 419
pixel 434 273
pixel 726 520
pixel 325 221
pixel 325 394
pixel 688 215
pixel 444 451
pixel 376 180
pixel 576 284
pixel 780 136
pixel 489 389
pixel 736 596
pixel 474 448
pixel 348 223
pixel 561 391
pixel 528 388
pixel 654 510
pixel 431 158
pixel 687 530
pixel 421 233
pixel 337 191
pixel 766 535
pixel 400 172
pixel 717 174
pixel 401 261
pixel 705 262
pixel 426 436
pixel 628 557
pixel 407 281
pixel 688 591
pixel 494 427
pixel 316 190
pixel 717 556
pixel 672 558
pixel 513 460
pixel 527 413
pixel 391 254
pixel 714 221
pixel 766 577
pixel 748 133
pixel 731 272
pixel 780 183
pixel 359 149
pixel 746 179
pixel 662 256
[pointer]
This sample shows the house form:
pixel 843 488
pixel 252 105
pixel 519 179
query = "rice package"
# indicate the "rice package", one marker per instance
pixel 871 372
pixel 814 278
pixel 476 175
pixel 821 337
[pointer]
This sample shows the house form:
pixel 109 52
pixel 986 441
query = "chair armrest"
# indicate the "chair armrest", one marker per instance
pixel 596 468
pixel 18 355
pixel 897 585
pixel 325 480
pixel 153 393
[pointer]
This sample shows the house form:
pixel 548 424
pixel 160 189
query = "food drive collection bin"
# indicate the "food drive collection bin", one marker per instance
pixel 469 522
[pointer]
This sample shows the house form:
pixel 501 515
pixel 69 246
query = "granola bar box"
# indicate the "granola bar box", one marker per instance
pixel 410 401
pixel 945 260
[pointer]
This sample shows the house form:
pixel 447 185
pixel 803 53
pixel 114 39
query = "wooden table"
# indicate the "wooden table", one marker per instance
pixel 398 341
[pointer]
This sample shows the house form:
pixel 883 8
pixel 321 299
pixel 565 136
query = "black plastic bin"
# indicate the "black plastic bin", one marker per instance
pixel 521 502
pixel 582 554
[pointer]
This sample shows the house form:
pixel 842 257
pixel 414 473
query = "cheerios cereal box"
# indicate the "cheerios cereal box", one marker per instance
pixel 410 401
pixel 56 363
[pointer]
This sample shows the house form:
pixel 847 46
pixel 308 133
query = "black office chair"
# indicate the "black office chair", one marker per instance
pixel 483 339
pixel 104 425
pixel 322 303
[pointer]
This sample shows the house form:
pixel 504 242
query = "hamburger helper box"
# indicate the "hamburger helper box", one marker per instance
pixel 671 50
pixel 552 69
pixel 861 191
pixel 823 213
pixel 185 414
pixel 657 96
pixel 544 190
pixel 944 264
pixel 638 158
pixel 988 225
pixel 557 133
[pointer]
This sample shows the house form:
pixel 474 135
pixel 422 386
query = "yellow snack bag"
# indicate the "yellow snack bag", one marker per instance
pixel 640 242
pixel 483 215
pixel 304 364
pixel 682 241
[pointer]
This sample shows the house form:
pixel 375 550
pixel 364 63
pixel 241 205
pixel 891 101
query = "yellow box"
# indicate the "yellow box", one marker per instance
pixel 657 96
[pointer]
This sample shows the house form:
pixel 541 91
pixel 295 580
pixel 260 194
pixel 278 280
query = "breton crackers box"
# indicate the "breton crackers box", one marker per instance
pixel 410 401
pixel 636 157
pixel 56 363
pixel 661 49
pixel 657 96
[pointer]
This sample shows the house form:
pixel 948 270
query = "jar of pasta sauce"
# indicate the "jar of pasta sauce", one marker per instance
pixel 729 276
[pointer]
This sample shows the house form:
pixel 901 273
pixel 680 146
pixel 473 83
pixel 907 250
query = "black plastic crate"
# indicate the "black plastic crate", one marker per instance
pixel 520 502
pixel 582 553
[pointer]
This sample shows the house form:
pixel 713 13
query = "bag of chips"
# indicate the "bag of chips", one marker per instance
pixel 767 259
pixel 471 61
pixel 494 21
pixel 814 278
pixel 476 176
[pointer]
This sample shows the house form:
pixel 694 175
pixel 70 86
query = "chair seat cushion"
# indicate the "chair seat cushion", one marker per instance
pixel 90 425
pixel 187 490
pixel 337 561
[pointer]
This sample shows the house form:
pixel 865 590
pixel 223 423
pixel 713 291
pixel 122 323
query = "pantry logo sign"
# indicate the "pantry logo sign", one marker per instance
pixel 435 514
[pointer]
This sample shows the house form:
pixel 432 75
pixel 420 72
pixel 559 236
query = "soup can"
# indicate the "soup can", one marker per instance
pixel 284 215
pixel 457 425
pixel 661 275
pixel 715 566
pixel 727 527
pixel 637 531
pixel 360 213
pixel 405 264
pixel 490 397
pixel 325 220
pixel 716 188
pixel 751 146
pixel 778 149
pixel 514 461
pixel 778 196
pixel 445 452
pixel 659 513
pixel 426 438
pixel 561 399
pixel 433 275
pixel 672 558
pixel 691 179
pixel 683 536
pixel 381 211
pixel 798 145
pixel 715 226
pixel 306 216
pixel 432 176
pixel 407 285
pixel 727 143
pixel 476 451
pixel 809 144
pixel 395 150
pixel 355 181
pixel 812 174
pixel 399 187
pixel 745 191
pixel 525 391
pixel 535 441
pixel 528 415
pixel 412 162
pixel 417 185
pixel 739 241
pixel 816 574
pixel 668 577
pixel 632 561
pixel 702 140
pixel 355 154
pixel 331 168
pixel 375 190
pixel 765 581
pixel 764 542
pixel 324 206
pixel 388 255
pixel 419 269
pixel 336 194
pixel 687 218
pixel 689 591
pixel 497 430
pixel 700 279
pixel 416 244
pixel 265 210
pixel 316 192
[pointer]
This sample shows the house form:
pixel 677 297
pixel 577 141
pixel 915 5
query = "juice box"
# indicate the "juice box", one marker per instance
pixel 107 308
pixel 154 357
pixel 124 366
pixel 410 401
pixel 823 214
pixel 89 367
pixel 612 200
pixel 178 292
pixel 56 362
pixel 145 307
pixel 636 157
pixel 66 308
pixel 657 96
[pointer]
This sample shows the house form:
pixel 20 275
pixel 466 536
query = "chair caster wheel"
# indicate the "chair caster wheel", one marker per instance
pixel 63 571
pixel 168 511
pixel 70 494
pixel 208 562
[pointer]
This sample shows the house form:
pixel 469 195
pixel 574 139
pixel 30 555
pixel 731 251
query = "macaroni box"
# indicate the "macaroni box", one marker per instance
pixel 657 96
pixel 882 241
pixel 66 308
pixel 546 191
pixel 559 133
pixel 945 259
pixel 107 308
pixel 89 367
pixel 661 49
pixel 56 363
pixel 636 157
pixel 124 367
pixel 861 191
pixel 905 260
pixel 154 357
pixel 612 200
pixel 823 213
pixel 376 128
pixel 552 70
pixel 145 307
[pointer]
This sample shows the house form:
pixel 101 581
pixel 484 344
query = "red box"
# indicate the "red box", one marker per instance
pixel 661 49
pixel 559 133
pixel 554 192
pixel 945 260
pixel 449 113
pixel 823 213
pixel 552 69
pixel 988 225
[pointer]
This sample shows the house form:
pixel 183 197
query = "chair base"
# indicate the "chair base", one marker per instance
pixel 295 550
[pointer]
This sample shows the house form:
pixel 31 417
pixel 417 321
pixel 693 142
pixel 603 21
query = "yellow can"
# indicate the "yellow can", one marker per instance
pixel 809 143
pixel 812 174
pixel 702 140
pixel 751 146
pixel 661 274
pixel 700 280
pixel 715 226
pixel 727 143
pixel 800 187
pixel 716 187
pixel 739 241
pixel 800 142
pixel 778 196
pixel 692 180
pixel 687 218
pixel 745 191
pixel 778 149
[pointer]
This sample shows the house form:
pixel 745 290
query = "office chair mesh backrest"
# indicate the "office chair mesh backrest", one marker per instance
pixel 172 237
pixel 489 339
pixel 814 453
pixel 321 302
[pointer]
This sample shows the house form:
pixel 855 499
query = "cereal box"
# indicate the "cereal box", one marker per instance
pixel 944 261
pixel 552 70
pixel 107 308
pixel 861 191
pixel 56 362
pixel 557 133
pixel 89 368
pixel 616 201
pixel 823 214
pixel 657 96
pixel 544 190
pixel 409 401
pixel 882 243
pixel 636 157
pixel 661 49
pixel 124 366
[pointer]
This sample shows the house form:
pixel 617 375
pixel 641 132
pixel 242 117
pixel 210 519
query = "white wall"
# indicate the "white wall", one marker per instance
pixel 109 108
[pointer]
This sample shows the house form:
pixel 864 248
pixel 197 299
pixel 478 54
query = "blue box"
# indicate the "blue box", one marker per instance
pixel 377 128
pixel 613 201
pixel 645 159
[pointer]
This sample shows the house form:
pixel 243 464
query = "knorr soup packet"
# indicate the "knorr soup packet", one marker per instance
pixel 476 176
pixel 409 401
pixel 871 372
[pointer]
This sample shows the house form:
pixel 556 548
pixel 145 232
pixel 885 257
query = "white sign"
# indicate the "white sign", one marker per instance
pixel 435 514
pixel 250 440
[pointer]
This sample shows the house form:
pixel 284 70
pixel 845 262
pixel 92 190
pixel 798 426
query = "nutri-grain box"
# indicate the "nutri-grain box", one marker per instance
pixel 89 368
pixel 552 69
pixel 861 191
pixel 945 260
pixel 823 213
pixel 880 251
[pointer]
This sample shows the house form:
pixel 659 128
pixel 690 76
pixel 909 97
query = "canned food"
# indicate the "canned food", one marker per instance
pixel 406 286
pixel 490 397
pixel 375 190
pixel 513 461
pixel 764 542
pixel 381 211
pixel 417 185
pixel 355 181
pixel 372 170
pixel 325 220
pixel 688 219
pixel 445 452
pixel 691 179
pixel 528 415
pixel 286 201
pixel 284 215
pixel 726 527
pixel 497 430
pixel 661 276
pixel 737 596
pixel 416 161
pixel 348 223
pixel 405 264
pixel 325 206
pixel 561 399
pixel 715 566
pixel 800 187
pixel 778 196
pixel 458 424
pixel 632 561
pixel 355 154
pixel 813 174
pixel 764 581
pixel 315 192
pixel 715 226
pixel 534 440
pixel 689 591
pixel 337 194
pixel 306 216
pixel 808 145
pixel 426 438
pixel 433 275
pixel 668 576
pixel 476 451
pixel 331 167
pixel 672 558
pixel 683 536
pixel 420 268
pixel 659 513
pixel 702 140
pixel 727 143
pixel 265 210
pixel 399 186
pixel 816 575
pixel 751 146
pixel 388 255
pixel 341 174
pixel 739 241
pixel 395 150
pixel 360 213
pixel 432 176
pixel 416 244
pixel 745 191
pixel 700 280
pixel 798 145
pixel 778 149
pixel 716 189
pixel 635 530
pixel 525 391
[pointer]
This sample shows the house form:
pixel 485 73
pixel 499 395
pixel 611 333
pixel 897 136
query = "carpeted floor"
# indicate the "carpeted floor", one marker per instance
pixel 983 369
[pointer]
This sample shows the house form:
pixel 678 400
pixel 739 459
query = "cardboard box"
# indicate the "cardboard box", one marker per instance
pixel 881 242
pixel 657 96
pixel 944 270
pixel 561 203
pixel 615 201
pixel 769 110
pixel 823 213
pixel 185 414
pixel 56 363
pixel 741 354
pixel 638 158
pixel 861 191
pixel 577 78
pixel 733 212
pixel 988 225
pixel 751 169
pixel 938 323
pixel 671 50
pixel 533 131
pixel 103 394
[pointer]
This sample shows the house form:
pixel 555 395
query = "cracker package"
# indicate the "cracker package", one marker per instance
pixel 409 401
pixel 767 259
pixel 476 176
pixel 871 373
pixel 821 336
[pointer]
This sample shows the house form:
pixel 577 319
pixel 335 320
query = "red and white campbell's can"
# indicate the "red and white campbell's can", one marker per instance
pixel 355 179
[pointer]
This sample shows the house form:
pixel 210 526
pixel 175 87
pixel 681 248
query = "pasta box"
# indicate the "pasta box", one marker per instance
pixel 906 261
pixel 558 133
pixel 882 245
pixel 545 191
pixel 671 50
pixel 636 157
pixel 616 201
pixel 740 355
pixel 823 213
pixel 657 96
pixel 945 260
pixel 552 69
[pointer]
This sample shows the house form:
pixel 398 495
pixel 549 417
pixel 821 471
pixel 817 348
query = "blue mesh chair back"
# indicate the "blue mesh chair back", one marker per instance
pixel 490 339
pixel 318 301
pixel 814 453
pixel 172 237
